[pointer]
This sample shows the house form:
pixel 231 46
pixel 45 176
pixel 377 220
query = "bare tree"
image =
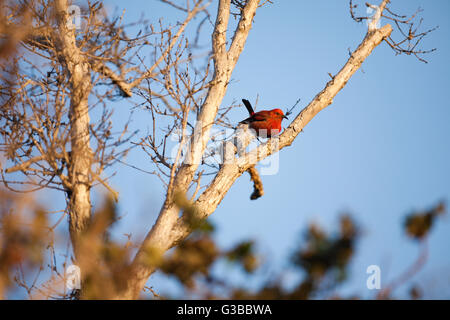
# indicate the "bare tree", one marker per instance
pixel 47 130
pixel 61 72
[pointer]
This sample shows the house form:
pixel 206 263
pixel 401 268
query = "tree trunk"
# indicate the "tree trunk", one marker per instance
pixel 81 154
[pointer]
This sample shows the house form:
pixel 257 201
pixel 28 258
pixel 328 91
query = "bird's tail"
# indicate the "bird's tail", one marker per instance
pixel 248 106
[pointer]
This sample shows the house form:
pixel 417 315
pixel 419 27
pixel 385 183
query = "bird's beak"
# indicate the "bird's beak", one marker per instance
pixel 285 117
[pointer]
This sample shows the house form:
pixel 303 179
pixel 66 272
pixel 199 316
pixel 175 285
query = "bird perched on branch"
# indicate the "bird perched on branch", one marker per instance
pixel 266 122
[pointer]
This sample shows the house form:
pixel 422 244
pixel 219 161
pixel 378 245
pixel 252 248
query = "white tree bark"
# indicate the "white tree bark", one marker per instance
pixel 81 153
pixel 161 236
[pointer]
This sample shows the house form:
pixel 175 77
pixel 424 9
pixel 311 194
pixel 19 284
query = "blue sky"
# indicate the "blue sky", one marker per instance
pixel 379 151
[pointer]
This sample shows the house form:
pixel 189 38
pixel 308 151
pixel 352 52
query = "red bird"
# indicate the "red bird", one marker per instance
pixel 268 120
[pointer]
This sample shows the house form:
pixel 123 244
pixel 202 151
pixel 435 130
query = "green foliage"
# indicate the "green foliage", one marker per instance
pixel 321 259
pixel 244 254
pixel 191 214
pixel 24 235
pixel 418 225
pixel 325 253
pixel 192 257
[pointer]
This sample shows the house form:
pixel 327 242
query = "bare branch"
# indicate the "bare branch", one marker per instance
pixel 407 26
